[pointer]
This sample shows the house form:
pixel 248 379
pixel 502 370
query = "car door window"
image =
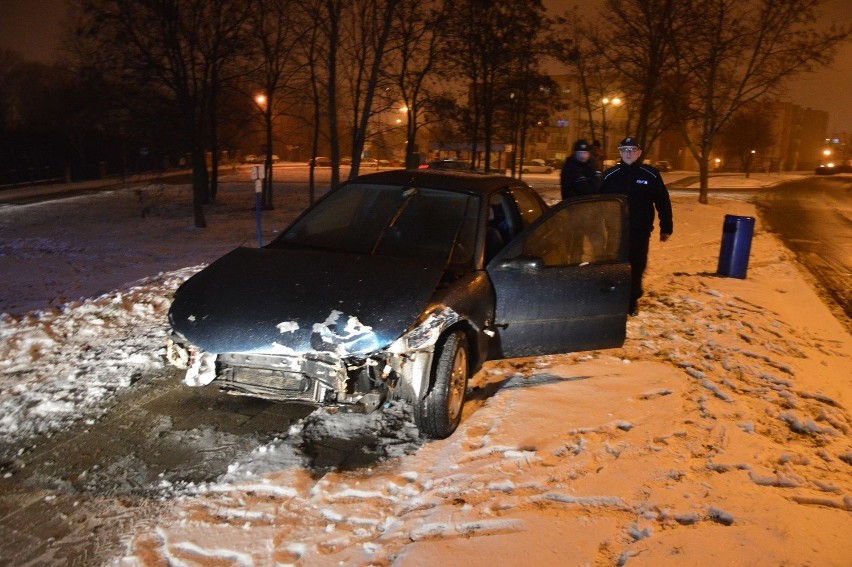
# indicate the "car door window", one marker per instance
pixel 575 260
pixel 529 206
pixel 585 233
pixel 504 216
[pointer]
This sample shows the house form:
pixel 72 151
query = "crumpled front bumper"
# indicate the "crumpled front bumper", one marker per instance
pixel 320 377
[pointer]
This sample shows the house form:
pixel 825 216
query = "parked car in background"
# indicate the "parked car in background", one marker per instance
pixel 555 163
pixel 320 162
pixel 663 165
pixel 370 162
pixel 251 158
pixel 831 167
pixel 450 164
pixel 399 285
pixel 535 166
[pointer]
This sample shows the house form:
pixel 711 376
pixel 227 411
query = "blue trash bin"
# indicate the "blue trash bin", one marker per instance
pixel 736 245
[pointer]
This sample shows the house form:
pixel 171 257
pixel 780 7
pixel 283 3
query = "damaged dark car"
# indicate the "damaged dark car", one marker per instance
pixel 400 285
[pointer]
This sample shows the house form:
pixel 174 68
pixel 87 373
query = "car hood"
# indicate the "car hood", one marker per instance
pixel 294 301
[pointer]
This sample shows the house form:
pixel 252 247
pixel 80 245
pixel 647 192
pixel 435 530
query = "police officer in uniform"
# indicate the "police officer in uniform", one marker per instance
pixel 579 174
pixel 643 185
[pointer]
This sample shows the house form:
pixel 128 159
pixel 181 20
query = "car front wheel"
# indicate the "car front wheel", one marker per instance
pixel 438 414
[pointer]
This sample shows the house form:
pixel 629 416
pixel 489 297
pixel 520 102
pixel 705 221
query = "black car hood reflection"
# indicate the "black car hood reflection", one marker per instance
pixel 293 301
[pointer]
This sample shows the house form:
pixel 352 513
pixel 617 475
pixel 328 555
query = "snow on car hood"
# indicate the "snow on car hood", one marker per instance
pixel 293 301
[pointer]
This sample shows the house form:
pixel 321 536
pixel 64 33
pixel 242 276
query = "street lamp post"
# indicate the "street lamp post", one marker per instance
pixel 265 107
pixel 606 101
pixel 409 146
pixel 751 157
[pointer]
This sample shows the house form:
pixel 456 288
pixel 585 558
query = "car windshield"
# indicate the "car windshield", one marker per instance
pixel 389 221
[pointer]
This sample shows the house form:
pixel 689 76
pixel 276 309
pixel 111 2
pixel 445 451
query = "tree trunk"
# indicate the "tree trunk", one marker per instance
pixel 331 104
pixel 704 177
pixel 199 185
pixel 214 173
pixel 214 143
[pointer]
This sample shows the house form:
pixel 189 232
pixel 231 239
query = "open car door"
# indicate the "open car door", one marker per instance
pixel 563 284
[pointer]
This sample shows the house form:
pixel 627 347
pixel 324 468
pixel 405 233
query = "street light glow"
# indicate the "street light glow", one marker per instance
pixel 606 101
pixel 260 99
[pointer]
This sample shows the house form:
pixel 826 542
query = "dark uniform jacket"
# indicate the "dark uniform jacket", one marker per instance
pixel 579 178
pixel 645 191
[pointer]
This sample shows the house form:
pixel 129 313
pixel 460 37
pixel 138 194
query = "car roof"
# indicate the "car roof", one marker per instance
pixel 444 179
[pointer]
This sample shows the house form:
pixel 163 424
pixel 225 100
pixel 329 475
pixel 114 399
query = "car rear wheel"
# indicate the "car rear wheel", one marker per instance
pixel 438 414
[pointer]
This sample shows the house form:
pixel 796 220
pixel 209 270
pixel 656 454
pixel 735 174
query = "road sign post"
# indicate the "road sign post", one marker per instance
pixel 258 174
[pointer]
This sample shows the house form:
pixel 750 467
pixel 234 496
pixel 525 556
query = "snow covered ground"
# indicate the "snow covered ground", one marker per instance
pixel 719 433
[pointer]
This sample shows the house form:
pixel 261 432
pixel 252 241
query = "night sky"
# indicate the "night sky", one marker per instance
pixel 32 27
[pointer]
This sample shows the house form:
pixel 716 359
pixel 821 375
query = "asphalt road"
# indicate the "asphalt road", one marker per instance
pixel 68 498
pixel 813 217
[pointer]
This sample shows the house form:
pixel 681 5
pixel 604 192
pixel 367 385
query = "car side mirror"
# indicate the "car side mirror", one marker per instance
pixel 522 263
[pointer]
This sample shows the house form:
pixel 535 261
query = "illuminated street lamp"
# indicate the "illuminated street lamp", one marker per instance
pixel 606 101
pixel 403 109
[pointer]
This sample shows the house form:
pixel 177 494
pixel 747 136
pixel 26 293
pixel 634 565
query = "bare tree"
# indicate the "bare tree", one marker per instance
pixel 278 29
pixel 316 47
pixel 573 45
pixel 543 102
pixel 733 53
pixel 486 44
pixel 636 37
pixel 747 133
pixel 322 56
pixel 370 27
pixel 418 37
pixel 168 47
pixel 221 42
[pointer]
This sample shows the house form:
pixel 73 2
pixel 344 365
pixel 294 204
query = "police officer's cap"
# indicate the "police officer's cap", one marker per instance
pixel 582 146
pixel 629 142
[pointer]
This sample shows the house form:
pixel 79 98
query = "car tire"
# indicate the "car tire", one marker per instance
pixel 438 414
pixel 549 170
